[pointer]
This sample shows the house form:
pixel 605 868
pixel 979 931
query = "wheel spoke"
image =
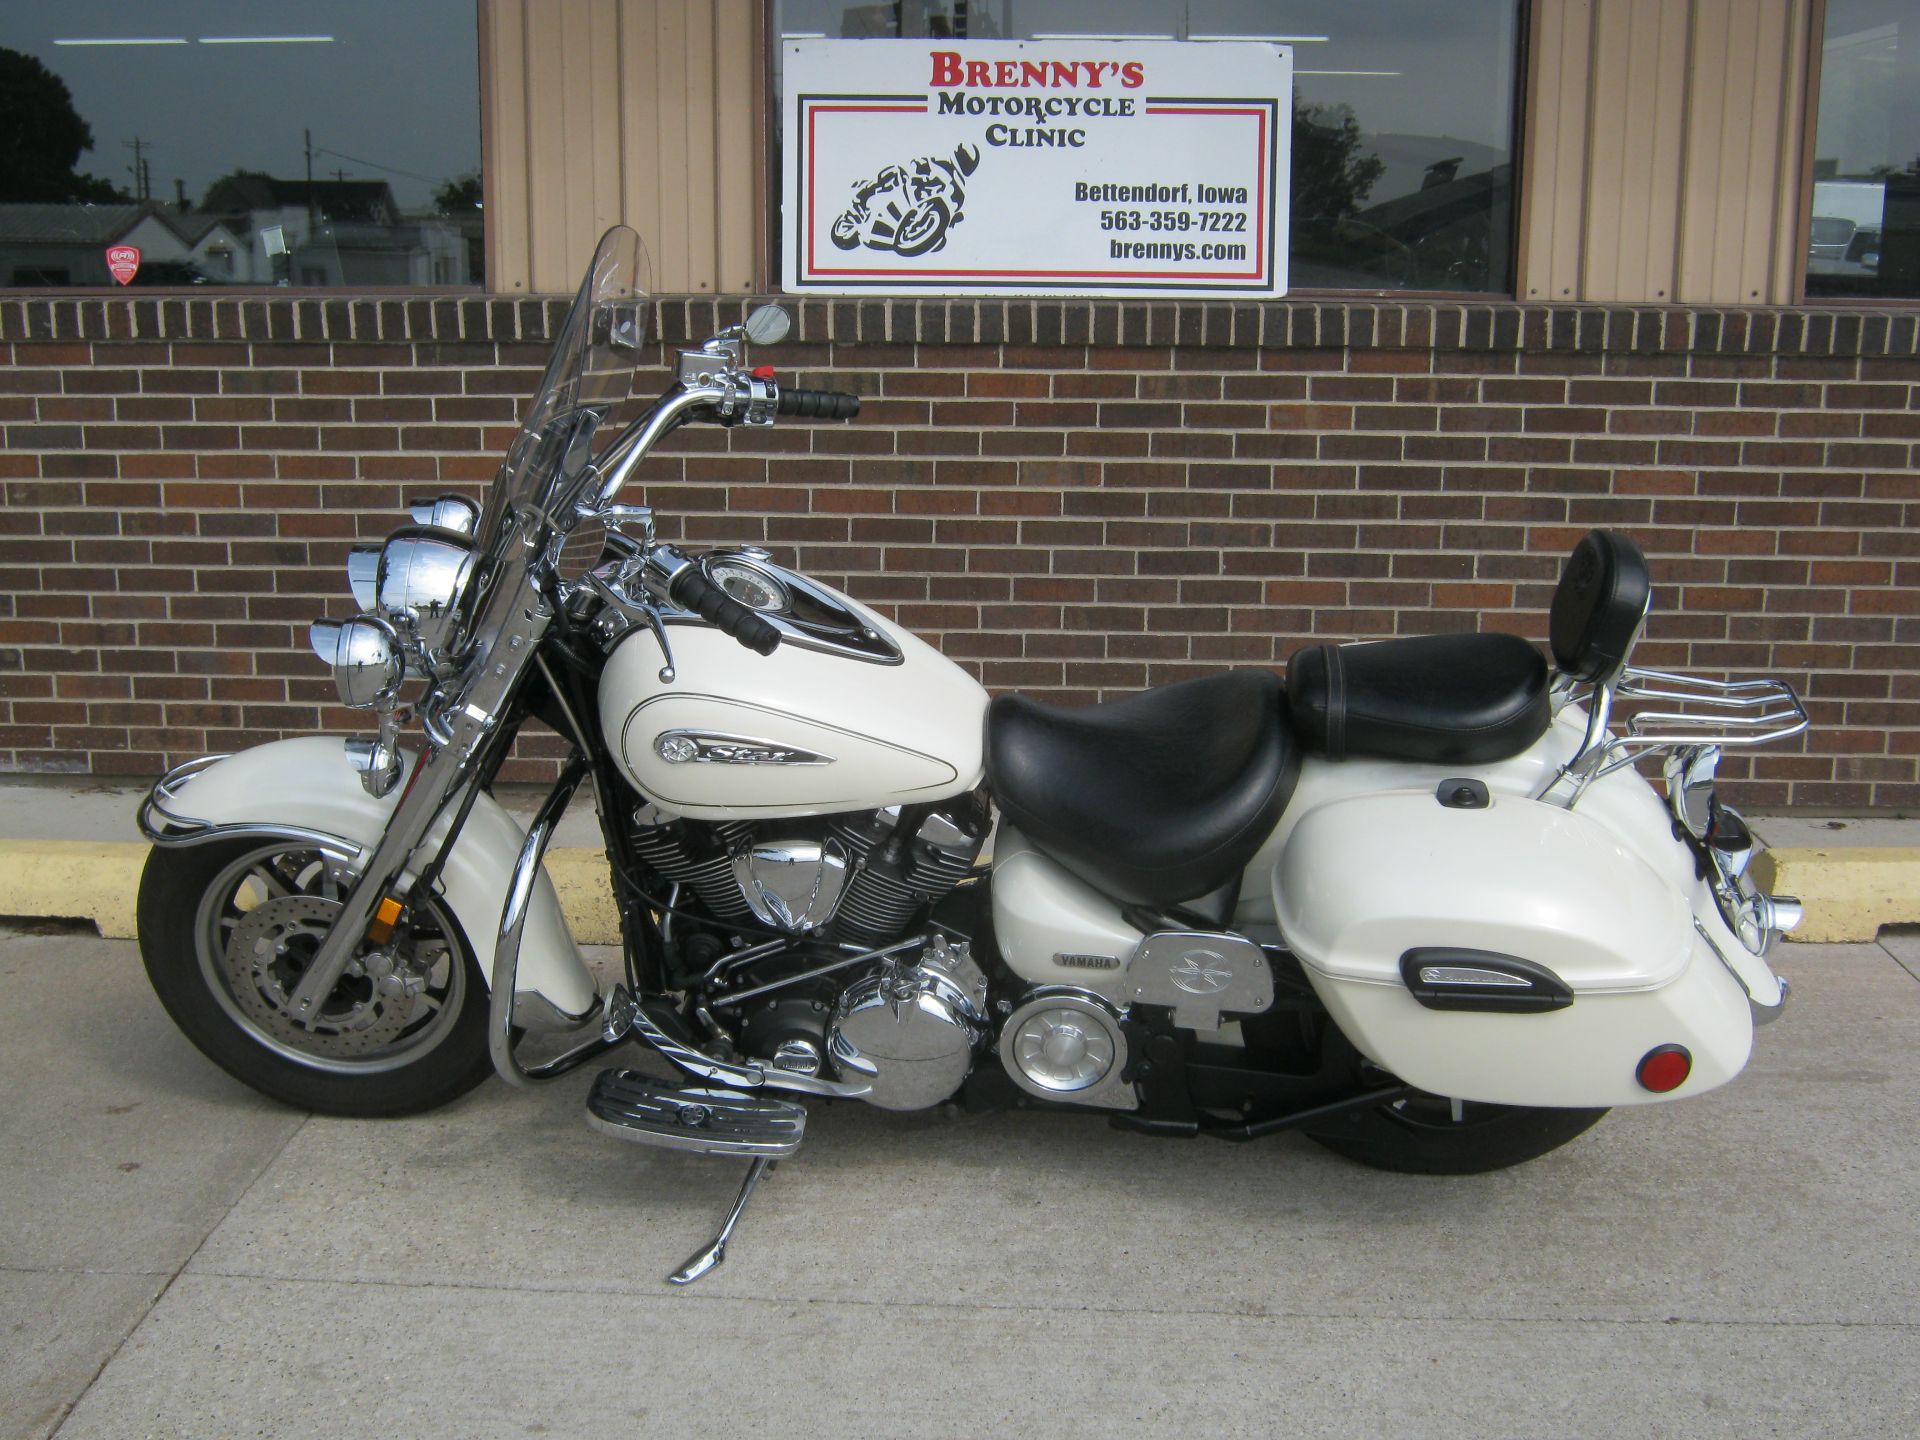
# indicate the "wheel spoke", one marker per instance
pixel 260 920
pixel 277 886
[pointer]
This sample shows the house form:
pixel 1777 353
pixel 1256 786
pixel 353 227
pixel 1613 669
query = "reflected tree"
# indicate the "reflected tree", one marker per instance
pixel 459 196
pixel 41 138
pixel 1331 177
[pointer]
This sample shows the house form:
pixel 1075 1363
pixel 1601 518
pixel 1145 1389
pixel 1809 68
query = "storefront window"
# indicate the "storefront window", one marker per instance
pixel 1865 237
pixel 1402 126
pixel 240 142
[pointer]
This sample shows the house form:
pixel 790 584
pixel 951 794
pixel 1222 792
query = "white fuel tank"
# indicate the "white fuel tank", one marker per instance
pixel 803 731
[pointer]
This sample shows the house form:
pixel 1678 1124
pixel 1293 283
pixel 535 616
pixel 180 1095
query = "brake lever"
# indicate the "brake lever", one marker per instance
pixel 647 611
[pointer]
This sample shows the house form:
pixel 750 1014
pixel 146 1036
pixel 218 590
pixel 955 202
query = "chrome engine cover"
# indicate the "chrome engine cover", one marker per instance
pixel 911 1030
pixel 792 885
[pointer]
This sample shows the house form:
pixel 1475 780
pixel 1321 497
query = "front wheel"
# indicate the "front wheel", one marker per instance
pixel 1431 1135
pixel 922 228
pixel 228 928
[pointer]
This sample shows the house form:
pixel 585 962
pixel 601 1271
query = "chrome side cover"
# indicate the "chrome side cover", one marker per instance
pixel 1067 1044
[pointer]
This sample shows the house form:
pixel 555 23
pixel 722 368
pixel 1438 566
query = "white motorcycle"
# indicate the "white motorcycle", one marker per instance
pixel 1416 901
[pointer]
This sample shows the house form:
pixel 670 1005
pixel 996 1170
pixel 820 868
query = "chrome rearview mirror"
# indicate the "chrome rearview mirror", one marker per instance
pixel 768 325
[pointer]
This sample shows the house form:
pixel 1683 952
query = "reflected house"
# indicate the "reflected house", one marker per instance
pixel 1448 235
pixel 1415 212
pixel 217 253
pixel 67 245
pixel 336 232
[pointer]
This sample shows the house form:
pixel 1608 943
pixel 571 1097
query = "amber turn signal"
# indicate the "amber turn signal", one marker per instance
pixel 386 916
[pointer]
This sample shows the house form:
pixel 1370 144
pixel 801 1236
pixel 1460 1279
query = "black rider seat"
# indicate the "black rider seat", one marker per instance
pixel 1155 799
pixel 1440 699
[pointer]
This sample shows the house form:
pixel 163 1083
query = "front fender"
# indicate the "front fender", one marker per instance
pixel 310 784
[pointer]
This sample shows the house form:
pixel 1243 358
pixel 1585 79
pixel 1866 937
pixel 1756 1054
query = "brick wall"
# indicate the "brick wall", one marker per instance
pixel 1075 500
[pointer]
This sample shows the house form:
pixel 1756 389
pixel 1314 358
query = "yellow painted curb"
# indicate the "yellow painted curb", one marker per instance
pixel 586 894
pixel 98 880
pixel 72 880
pixel 1849 894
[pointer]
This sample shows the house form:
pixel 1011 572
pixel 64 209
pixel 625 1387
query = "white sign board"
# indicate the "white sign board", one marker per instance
pixel 1036 168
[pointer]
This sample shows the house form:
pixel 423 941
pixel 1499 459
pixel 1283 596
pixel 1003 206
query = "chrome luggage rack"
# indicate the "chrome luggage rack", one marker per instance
pixel 1687 710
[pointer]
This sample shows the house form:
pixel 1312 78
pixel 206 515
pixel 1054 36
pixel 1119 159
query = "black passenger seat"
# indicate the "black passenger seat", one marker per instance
pixel 1443 699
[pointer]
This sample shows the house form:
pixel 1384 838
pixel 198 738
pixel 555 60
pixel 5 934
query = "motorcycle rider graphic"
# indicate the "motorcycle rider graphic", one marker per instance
pixel 908 208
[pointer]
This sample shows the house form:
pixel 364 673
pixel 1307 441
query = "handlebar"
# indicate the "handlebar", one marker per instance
pixel 818 404
pixel 697 593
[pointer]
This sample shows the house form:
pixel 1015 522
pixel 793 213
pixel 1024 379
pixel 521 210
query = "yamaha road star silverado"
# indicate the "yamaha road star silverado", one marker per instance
pixel 1416 901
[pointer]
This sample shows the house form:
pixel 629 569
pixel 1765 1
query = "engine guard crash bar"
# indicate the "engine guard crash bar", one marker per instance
pixel 608 1026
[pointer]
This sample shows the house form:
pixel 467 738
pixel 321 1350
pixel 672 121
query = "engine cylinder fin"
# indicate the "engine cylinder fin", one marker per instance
pixel 710 874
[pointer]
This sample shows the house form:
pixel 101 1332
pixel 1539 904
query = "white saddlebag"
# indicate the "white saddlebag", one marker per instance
pixel 1364 880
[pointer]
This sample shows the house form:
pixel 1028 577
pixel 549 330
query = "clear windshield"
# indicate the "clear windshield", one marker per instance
pixel 591 371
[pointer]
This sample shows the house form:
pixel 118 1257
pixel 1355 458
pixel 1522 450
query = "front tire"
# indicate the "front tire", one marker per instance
pixel 226 929
pixel 922 228
pixel 1431 1135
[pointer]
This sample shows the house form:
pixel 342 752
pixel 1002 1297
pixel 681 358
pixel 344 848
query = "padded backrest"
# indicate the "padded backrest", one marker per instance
pixel 1598 605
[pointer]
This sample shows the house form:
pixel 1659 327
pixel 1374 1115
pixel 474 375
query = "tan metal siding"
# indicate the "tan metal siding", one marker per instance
pixel 1663 151
pixel 1747 89
pixel 1635 138
pixel 1554 149
pixel 603 111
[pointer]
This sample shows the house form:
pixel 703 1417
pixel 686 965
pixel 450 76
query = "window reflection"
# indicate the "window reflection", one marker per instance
pixel 239 142
pixel 1403 115
pixel 1865 235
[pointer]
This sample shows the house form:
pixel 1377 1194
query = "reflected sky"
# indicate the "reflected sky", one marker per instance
pixel 1412 67
pixel 395 85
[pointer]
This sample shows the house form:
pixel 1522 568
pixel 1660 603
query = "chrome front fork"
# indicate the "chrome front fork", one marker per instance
pixel 516 617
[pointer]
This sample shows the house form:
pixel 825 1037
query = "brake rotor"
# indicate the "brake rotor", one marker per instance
pixel 270 948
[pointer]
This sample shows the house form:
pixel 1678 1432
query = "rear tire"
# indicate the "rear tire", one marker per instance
pixel 225 931
pixel 1430 1135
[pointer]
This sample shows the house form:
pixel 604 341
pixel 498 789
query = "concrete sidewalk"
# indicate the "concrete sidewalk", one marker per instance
pixel 70 848
pixel 183 1258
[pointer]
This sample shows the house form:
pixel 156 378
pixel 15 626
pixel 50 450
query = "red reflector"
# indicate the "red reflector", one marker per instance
pixel 1664 1068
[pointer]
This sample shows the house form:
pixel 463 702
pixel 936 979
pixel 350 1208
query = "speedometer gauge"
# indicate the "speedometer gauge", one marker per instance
pixel 748 584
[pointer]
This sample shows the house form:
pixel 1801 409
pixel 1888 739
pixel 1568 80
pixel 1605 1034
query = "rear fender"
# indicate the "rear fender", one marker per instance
pixel 310 785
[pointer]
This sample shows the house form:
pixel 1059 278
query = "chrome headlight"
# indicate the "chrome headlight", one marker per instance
pixel 363 570
pixel 446 512
pixel 420 586
pixel 365 655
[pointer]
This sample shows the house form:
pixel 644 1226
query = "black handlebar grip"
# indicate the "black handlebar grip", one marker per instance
pixel 700 595
pixel 818 404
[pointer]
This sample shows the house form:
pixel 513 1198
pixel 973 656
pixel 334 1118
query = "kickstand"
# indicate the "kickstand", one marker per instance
pixel 714 1251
